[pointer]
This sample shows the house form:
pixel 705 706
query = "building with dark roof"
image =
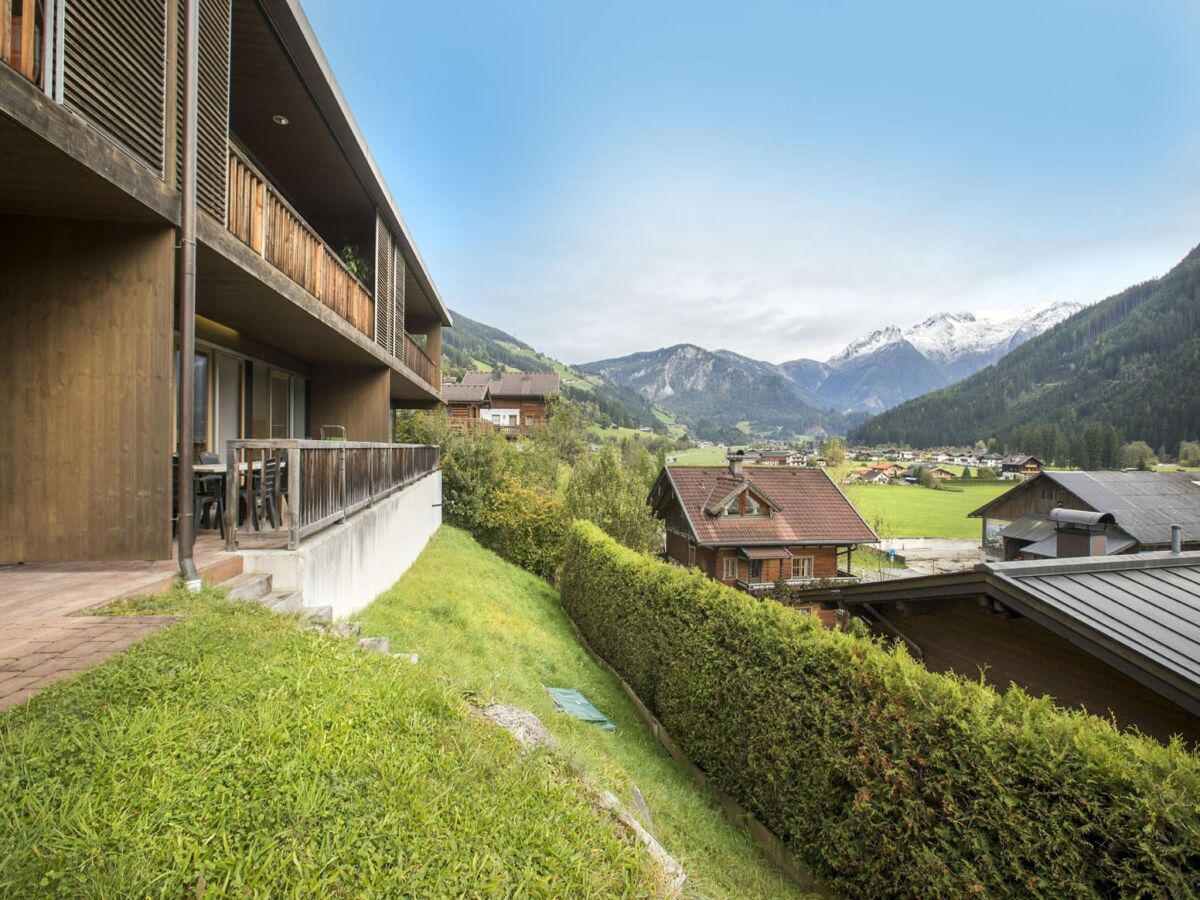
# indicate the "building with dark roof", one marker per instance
pixel 1020 465
pixel 1117 635
pixel 521 399
pixel 747 527
pixel 465 402
pixel 1141 508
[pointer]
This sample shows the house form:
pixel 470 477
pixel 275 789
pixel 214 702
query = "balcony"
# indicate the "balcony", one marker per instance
pixel 284 490
pixel 418 360
pixel 260 218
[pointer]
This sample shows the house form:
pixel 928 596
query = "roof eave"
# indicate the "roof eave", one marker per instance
pixel 300 41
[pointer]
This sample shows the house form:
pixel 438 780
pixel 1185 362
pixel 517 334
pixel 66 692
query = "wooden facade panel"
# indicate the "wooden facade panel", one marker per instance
pixel 86 358
pixel 960 636
pixel 356 398
pixel 114 72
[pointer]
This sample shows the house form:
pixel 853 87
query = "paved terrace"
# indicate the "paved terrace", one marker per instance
pixel 45 631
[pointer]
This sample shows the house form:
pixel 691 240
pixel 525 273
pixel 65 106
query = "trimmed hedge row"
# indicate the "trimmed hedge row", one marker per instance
pixel 525 526
pixel 889 779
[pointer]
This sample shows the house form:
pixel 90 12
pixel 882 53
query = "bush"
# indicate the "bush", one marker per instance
pixel 887 778
pixel 526 526
pixel 603 491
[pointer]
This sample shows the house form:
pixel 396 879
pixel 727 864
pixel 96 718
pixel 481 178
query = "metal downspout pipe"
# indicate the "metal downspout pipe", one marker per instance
pixel 186 527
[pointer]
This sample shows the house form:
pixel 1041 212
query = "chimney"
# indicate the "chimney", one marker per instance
pixel 735 463
pixel 1176 539
pixel 1080 533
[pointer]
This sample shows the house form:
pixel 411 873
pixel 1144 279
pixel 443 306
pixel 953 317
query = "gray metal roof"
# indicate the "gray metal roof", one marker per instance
pixel 1117 542
pixel 1148 603
pixel 1145 504
pixel 1030 527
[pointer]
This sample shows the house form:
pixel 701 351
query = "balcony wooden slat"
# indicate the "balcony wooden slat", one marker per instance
pixel 265 222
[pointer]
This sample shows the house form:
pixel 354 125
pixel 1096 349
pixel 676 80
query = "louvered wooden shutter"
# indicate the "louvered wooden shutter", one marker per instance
pixel 385 284
pixel 399 346
pixel 114 71
pixel 212 106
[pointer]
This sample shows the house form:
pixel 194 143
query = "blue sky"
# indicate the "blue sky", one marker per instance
pixel 775 178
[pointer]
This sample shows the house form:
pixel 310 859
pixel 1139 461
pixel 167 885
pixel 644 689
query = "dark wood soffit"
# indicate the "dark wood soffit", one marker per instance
pixel 303 159
pixel 55 164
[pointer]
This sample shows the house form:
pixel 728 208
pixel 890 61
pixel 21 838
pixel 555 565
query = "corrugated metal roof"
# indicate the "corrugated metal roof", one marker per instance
pixel 1145 504
pixel 1030 527
pixel 1150 603
pixel 1117 542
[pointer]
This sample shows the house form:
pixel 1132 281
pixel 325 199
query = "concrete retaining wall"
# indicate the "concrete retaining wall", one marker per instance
pixel 349 565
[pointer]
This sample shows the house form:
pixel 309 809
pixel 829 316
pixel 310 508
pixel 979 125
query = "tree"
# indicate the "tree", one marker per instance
pixel 1189 453
pixel 966 475
pixel 604 492
pixel 1138 455
pixel 834 450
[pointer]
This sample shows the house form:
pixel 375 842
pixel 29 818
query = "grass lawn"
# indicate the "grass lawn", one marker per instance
pixel 497 632
pixel 238 754
pixel 913 511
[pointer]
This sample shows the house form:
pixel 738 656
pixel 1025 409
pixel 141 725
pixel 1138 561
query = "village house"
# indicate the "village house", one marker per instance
pixel 309 313
pixel 1019 465
pixel 1119 636
pixel 1123 512
pixel 518 402
pixel 465 403
pixel 748 527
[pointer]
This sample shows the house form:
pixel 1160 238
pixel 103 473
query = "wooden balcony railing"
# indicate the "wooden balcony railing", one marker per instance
pixel 418 360
pixel 296 488
pixel 21 36
pixel 266 223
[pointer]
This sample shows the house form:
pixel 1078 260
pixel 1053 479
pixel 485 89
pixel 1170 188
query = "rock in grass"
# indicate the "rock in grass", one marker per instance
pixel 521 724
pixel 374 644
pixel 642 808
pixel 673 875
pixel 408 657
pixel 346 629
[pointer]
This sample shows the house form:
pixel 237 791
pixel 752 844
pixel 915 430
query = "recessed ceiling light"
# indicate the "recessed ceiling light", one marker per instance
pixel 279 120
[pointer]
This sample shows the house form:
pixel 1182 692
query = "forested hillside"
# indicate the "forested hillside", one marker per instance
pixel 1131 361
pixel 474 345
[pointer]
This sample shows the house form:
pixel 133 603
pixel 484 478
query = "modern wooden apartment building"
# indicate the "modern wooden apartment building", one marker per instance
pixel 312 305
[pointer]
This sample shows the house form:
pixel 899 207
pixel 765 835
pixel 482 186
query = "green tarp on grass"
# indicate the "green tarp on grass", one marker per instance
pixel 575 704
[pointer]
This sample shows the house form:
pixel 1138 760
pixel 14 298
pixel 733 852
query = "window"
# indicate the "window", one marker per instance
pixel 691 555
pixel 753 507
pixel 802 567
pixel 730 570
pixel 756 571
pixel 745 504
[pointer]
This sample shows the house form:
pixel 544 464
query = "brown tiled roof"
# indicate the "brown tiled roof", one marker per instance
pixel 766 553
pixel 809 508
pixel 516 384
pixel 453 392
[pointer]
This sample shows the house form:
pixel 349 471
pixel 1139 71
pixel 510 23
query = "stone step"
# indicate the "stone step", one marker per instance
pixel 323 614
pixel 284 601
pixel 249 586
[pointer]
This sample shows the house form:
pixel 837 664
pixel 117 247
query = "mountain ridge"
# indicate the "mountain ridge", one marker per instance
pixel 1129 361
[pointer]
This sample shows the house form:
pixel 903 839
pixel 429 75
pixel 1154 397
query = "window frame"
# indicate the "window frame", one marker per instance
pixel 804 562
pixel 729 569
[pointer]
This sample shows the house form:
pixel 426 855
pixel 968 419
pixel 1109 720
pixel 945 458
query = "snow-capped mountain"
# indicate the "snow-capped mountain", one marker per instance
pixel 875 372
pixel 939 351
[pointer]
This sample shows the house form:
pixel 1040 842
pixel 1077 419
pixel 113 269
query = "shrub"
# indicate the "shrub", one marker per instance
pixel 601 490
pixel 887 778
pixel 525 526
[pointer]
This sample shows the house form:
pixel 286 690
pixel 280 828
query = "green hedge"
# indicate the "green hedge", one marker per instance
pixel 888 779
pixel 526 526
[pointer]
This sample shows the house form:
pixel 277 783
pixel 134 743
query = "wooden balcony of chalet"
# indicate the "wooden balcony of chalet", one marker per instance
pixel 262 219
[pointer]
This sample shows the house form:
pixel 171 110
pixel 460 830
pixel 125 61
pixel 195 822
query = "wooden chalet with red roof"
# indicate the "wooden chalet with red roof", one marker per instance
pixel 746 527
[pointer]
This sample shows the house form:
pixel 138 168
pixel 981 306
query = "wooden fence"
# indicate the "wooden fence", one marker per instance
pixel 265 222
pixel 294 488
